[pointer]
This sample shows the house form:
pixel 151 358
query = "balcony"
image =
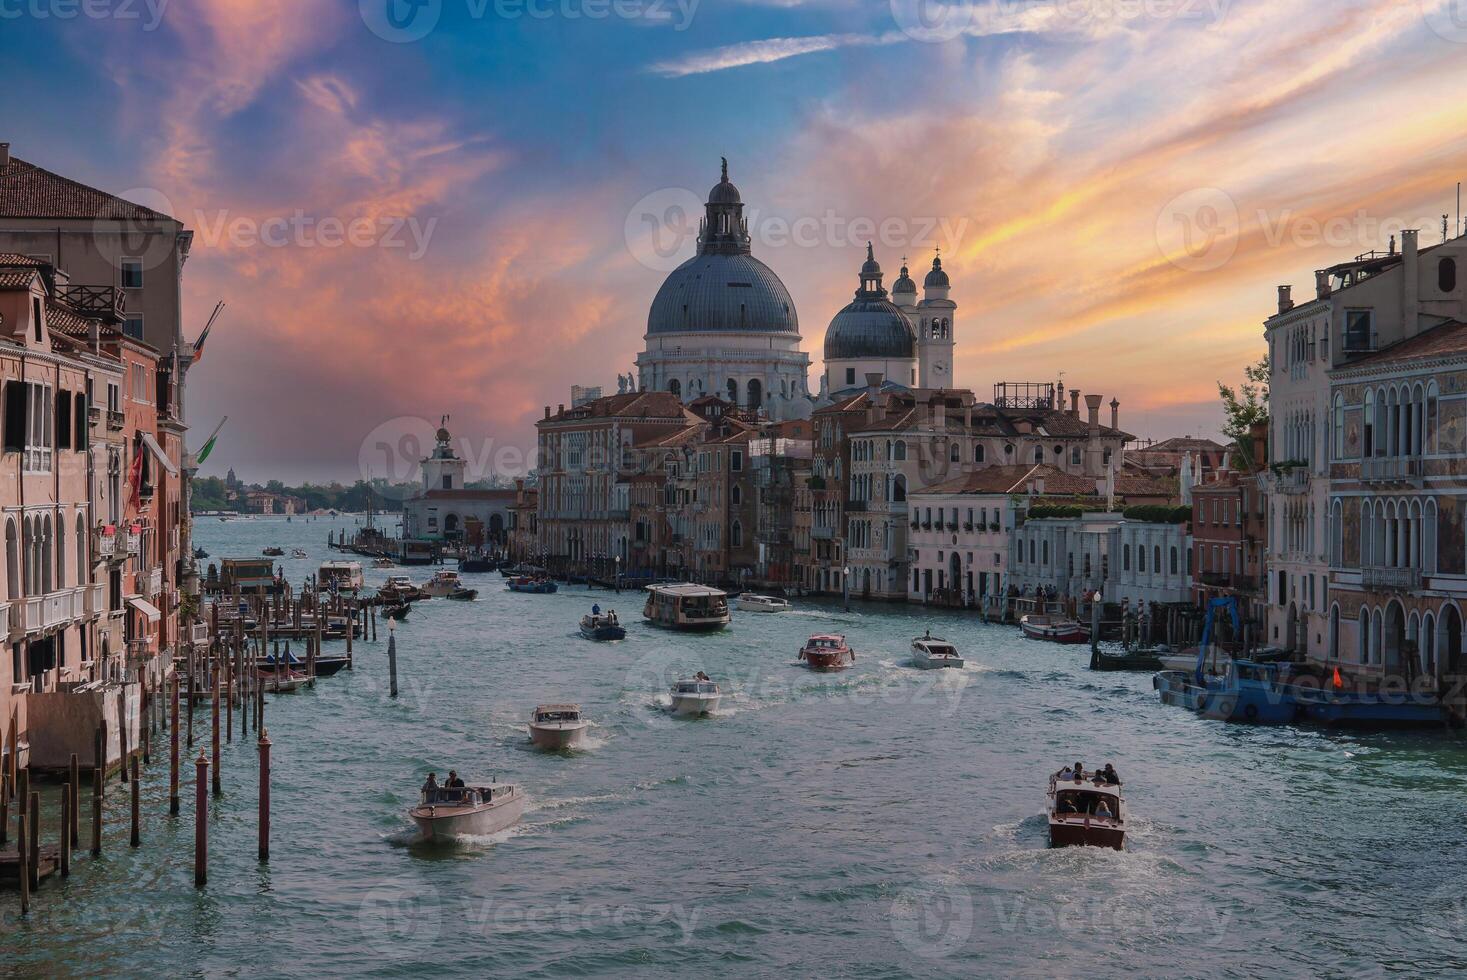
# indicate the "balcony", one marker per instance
pixel 199 633
pixel 106 543
pixel 94 599
pixel 131 542
pixel 39 613
pixel 154 583
pixel 115 421
pixel 822 533
pixel 1389 469
pixel 1295 480
pixel 97 301
pixel 1390 579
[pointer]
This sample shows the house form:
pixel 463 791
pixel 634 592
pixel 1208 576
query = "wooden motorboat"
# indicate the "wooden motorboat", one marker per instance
pixel 463 595
pixel 558 727
pixel 400 588
pixel 273 552
pixel 695 697
pixel 762 603
pixel 443 584
pixel 285 681
pixel 477 563
pixel 688 607
pixel 827 651
pixel 535 586
pixel 474 811
pixel 1055 629
pixel 382 563
pixel 200 554
pixel 520 571
pixel 929 652
pixel 1085 812
pixel 597 625
pixel 298 553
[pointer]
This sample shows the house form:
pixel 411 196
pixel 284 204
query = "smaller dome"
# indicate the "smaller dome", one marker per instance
pixel 936 278
pixel 724 192
pixel 870 268
pixel 904 283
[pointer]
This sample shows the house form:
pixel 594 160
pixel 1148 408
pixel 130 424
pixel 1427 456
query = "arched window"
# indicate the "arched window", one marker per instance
pixel 953 455
pixel 1141 558
pixel 756 393
pixel 1174 560
pixel 899 451
pixel 736 534
pixel 1338 425
pixel 899 488
pixel 1125 558
pixel 1364 639
pixel 735 495
pixel 733 391
pixel 1368 428
pixel 83 573
pixel 978 452
pixel 61 553
pixel 1334 632
pixel 676 387
pixel 12 562
pixel 1038 454
pixel 1156 558
pixel 46 560
pixel 1446 275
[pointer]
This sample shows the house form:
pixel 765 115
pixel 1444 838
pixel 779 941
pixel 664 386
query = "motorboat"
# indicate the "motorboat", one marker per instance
pixel 286 681
pixel 558 727
pixel 273 552
pixel 1086 811
pixel 298 553
pixel 520 571
pixel 688 607
pixel 929 652
pixel 762 603
pixel 1244 692
pixel 400 588
pixel 535 586
pixel 200 554
pixel 695 697
pixel 445 814
pixel 1055 629
pixel 477 563
pixel 443 583
pixel 463 595
pixel 341 576
pixel 1128 660
pixel 383 563
pixel 827 651
pixel 597 625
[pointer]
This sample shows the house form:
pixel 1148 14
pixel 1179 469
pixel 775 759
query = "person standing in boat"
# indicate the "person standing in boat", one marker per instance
pixel 454 780
pixel 430 788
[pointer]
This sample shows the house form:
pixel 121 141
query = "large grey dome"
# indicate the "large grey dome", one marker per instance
pixel 717 291
pixel 870 329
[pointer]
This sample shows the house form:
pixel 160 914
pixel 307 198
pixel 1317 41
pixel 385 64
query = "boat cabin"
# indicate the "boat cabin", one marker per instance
pixel 1087 799
pixel 695 687
pixel 826 641
pixel 246 574
pixel 343 576
pixel 687 606
pixel 551 714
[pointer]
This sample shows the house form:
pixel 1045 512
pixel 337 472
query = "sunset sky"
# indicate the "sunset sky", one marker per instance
pixel 1117 186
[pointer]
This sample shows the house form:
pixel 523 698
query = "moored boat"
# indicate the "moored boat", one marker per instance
pixel 400 588
pixel 1086 812
pixel 930 652
pixel 1245 692
pixel 1055 629
pixel 597 625
pixel 298 553
pixel 558 726
pixel 688 607
pixel 762 603
pixel 827 651
pixel 1132 660
pixel 444 814
pixel 397 611
pixel 534 586
pixel 382 563
pixel 696 696
pixel 477 563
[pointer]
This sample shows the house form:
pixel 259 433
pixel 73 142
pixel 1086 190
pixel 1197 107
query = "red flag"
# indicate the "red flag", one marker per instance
pixel 1338 681
pixel 135 478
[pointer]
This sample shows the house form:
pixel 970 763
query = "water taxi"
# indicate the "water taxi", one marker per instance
pixel 273 552
pixel 442 583
pixel 597 625
pixel 444 813
pixel 686 607
pixel 929 652
pixel 383 563
pixel 298 553
pixel 696 697
pixel 762 603
pixel 1055 629
pixel 535 586
pixel 558 726
pixel 827 651
pixel 341 576
pixel 1085 812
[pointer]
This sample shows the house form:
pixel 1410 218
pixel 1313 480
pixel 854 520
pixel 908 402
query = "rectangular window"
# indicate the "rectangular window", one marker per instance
pixel 132 325
pixel 63 421
pixel 1359 331
pixel 736 459
pixel 132 273
pixel 850 376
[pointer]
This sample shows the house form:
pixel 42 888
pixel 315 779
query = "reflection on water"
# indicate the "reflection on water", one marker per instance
pixel 881 821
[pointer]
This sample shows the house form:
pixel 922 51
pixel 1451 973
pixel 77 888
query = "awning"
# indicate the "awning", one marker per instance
pixel 145 607
pixel 159 454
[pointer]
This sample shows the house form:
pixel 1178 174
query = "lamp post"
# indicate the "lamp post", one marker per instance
pixel 617 581
pixel 846 586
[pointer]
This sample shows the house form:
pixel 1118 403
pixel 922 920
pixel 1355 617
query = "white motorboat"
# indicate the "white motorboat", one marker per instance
pixel 762 603
pixel 695 697
pixel 558 726
pixel 443 584
pixel 930 652
pixel 445 814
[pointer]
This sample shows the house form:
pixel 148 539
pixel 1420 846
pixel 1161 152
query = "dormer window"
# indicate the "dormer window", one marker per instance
pixel 36 317
pixel 1446 275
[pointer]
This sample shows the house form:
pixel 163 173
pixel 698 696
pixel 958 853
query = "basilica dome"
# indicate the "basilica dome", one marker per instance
pixel 870 327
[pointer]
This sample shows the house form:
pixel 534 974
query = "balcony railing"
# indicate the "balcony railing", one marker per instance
pixel 115 421
pixel 154 583
pixel 1294 480
pixel 132 542
pixel 1389 468
pixel 94 599
pixel 1374 577
pixel 822 533
pixel 37 613
pixel 101 301
pixel 106 543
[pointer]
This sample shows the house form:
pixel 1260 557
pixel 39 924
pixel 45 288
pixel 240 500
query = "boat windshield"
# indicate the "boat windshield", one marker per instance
pixel 462 796
pixel 1086 803
pixel 558 716
pixel 697 687
pixel 825 642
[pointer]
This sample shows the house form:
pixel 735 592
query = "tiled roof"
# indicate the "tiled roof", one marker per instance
pixel 994 479
pixel 633 404
pixel 29 191
pixel 61 320
pixel 1443 340
pixel 1183 444
pixel 10 259
pixel 16 278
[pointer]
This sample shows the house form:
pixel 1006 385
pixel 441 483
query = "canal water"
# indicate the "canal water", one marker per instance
pixel 882 822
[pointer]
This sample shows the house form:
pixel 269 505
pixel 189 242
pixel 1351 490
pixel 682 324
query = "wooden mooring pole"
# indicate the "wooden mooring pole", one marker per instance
pixel 218 668
pixel 264 748
pixel 392 656
pixel 75 800
pixel 173 752
pixel 201 821
pixel 66 811
pixel 35 842
pixel 21 869
pixel 96 812
pixel 136 838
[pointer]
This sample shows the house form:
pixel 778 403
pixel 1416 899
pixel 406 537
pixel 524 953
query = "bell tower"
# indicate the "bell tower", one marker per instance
pixel 935 339
pixel 444 470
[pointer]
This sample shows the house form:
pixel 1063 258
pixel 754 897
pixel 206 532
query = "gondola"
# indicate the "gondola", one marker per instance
pixel 397 611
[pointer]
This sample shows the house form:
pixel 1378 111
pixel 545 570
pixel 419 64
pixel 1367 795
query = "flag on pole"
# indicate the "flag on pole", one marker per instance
pixel 209 443
pixel 135 477
pixel 199 344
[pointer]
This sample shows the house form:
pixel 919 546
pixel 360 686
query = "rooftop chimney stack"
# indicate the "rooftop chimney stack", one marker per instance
pixel 547 411
pixel 1115 413
pixel 1321 284
pixel 1092 405
pixel 873 393
pixel 1075 402
pixel 4 154
pixel 1286 302
pixel 1410 284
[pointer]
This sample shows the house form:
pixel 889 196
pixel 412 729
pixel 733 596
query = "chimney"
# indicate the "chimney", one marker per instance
pixel 561 410
pixel 1115 413
pixel 1286 302
pixel 1094 454
pixel 547 411
pixel 1410 285
pixel 1075 402
pixel 4 154
pixel 1321 284
pixel 1092 404
pixel 1393 246
pixel 1058 400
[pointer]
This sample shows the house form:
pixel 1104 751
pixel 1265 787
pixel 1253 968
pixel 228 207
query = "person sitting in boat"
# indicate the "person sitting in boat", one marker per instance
pixel 1066 774
pixel 454 780
pixel 430 788
pixel 1079 771
pixel 1111 776
pixel 1102 809
pixel 611 616
pixel 1067 804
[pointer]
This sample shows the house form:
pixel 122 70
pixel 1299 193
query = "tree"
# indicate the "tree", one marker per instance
pixel 1243 408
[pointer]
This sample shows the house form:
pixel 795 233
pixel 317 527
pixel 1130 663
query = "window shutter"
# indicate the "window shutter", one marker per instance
pixel 63 421
pixel 82 422
pixel 15 416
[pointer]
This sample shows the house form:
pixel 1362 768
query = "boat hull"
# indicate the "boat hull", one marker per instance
pixel 1080 832
pixel 828 661
pixel 1240 701
pixel 761 607
pixel 693 706
pixel 443 823
pixel 1074 633
pixel 558 738
pixel 603 633
pixel 710 626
